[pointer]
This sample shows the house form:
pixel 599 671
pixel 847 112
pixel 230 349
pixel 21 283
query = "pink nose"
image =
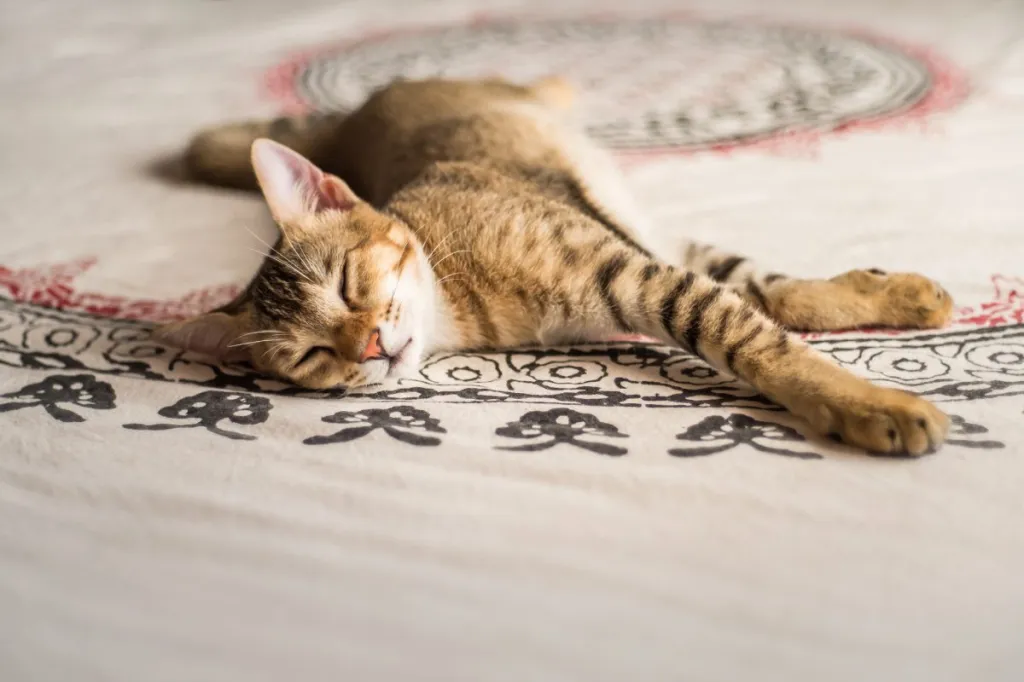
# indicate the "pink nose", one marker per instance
pixel 373 349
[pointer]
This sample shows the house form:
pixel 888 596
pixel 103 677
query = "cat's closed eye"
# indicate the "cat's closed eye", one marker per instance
pixel 343 286
pixel 312 353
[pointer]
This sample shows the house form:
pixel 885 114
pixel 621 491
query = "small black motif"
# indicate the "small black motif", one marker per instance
pixel 210 407
pixel 400 422
pixel 961 432
pixel 716 434
pixel 82 390
pixel 561 425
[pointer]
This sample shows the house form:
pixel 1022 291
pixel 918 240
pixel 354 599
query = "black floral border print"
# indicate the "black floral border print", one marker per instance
pixel 401 422
pixel 541 429
pixel 210 408
pixel 715 434
pixel 718 433
pixel 948 366
pixel 81 390
pixel 548 428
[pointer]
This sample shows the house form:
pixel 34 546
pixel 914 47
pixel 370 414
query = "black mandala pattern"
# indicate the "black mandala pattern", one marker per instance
pixel 456 368
pixel 716 434
pixel 210 408
pixel 403 423
pixel 943 366
pixel 552 427
pixel 106 346
pixel 81 390
pixel 754 80
pixel 946 366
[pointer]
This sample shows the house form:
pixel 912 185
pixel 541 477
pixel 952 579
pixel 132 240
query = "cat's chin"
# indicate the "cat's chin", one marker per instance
pixel 403 368
pixel 406 361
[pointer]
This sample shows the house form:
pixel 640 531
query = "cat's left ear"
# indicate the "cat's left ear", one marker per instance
pixel 212 334
pixel 294 187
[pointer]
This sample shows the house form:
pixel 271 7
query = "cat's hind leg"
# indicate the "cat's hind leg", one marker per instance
pixel 858 298
pixel 221 155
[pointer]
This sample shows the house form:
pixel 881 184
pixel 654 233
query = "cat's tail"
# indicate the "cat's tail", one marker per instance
pixel 220 155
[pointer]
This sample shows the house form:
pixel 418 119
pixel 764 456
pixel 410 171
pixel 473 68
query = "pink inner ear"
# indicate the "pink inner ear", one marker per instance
pixel 304 173
pixel 334 194
pixel 328 192
pixel 293 185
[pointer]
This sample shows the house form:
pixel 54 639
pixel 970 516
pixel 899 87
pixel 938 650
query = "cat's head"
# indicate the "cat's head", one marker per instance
pixel 345 298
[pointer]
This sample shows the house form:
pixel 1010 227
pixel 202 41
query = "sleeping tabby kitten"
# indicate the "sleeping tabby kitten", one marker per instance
pixel 469 214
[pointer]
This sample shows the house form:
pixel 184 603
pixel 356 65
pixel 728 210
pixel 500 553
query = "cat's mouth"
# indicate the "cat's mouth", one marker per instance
pixel 395 360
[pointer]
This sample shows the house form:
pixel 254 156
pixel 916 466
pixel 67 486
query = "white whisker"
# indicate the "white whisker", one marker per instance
pixel 261 331
pixel 454 274
pixel 439 245
pixel 249 343
pixel 286 264
pixel 304 260
pixel 271 353
pixel 242 345
pixel 276 255
pixel 445 239
pixel 260 239
pixel 453 253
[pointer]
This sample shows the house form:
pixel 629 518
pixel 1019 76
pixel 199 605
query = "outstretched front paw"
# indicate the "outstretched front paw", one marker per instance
pixel 885 421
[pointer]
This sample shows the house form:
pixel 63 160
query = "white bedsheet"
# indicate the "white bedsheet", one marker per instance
pixel 592 514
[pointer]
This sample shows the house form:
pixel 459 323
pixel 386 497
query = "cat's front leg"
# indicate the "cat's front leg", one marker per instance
pixel 635 294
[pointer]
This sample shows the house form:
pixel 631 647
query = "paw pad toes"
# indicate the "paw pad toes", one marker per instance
pixel 893 422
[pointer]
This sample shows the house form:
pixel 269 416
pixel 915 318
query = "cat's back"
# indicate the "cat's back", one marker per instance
pixel 520 132
pixel 405 127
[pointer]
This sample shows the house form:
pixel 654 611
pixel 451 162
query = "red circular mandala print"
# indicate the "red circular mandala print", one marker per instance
pixel 656 85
